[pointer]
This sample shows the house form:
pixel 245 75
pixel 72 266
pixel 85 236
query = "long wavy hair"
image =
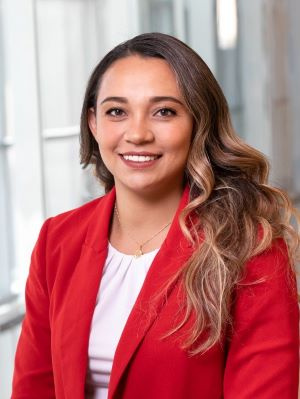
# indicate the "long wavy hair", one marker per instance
pixel 229 189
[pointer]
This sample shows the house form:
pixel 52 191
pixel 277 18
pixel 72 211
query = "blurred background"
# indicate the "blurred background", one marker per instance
pixel 47 51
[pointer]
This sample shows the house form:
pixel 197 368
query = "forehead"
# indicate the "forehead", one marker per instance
pixel 136 75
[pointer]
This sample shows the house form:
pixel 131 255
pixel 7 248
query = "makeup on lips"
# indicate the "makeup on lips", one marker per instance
pixel 139 160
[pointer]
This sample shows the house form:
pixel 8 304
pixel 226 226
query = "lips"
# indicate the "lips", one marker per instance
pixel 140 157
pixel 140 160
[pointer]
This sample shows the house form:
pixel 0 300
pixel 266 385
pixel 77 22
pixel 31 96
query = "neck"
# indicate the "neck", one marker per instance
pixel 141 218
pixel 150 210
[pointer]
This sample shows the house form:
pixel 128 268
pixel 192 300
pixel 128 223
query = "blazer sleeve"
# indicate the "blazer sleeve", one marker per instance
pixel 33 376
pixel 263 352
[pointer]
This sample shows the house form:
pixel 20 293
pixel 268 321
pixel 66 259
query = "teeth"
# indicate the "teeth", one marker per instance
pixel 139 158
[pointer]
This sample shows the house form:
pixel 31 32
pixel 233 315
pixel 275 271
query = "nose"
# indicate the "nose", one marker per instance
pixel 138 132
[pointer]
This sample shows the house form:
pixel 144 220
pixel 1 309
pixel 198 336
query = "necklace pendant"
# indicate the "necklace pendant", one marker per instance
pixel 138 253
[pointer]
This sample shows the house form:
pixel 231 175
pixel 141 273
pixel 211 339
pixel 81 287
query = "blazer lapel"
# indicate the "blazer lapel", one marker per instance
pixel 170 258
pixel 81 298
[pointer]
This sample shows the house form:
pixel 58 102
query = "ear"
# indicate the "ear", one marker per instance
pixel 92 121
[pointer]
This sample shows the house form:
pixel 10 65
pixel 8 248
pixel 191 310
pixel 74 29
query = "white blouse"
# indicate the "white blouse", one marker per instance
pixel 122 279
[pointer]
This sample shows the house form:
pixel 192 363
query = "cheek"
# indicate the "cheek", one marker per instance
pixel 105 138
pixel 109 134
pixel 180 140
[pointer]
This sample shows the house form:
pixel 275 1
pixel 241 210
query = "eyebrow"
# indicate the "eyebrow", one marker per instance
pixel 155 99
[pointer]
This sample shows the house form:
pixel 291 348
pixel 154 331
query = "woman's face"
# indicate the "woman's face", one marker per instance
pixel 142 125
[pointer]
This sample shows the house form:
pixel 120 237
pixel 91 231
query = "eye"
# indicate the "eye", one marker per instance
pixel 115 112
pixel 166 112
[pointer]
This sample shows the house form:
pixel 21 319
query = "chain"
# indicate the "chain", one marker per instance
pixel 139 252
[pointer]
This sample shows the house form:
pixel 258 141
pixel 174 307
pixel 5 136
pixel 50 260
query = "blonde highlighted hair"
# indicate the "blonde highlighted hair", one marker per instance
pixel 229 191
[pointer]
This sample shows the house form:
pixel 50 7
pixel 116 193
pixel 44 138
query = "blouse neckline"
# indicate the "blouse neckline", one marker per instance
pixel 113 250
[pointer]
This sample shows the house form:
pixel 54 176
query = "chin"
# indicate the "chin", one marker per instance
pixel 144 187
pixel 153 189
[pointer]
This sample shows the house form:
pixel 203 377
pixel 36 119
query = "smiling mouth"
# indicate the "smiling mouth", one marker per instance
pixel 140 158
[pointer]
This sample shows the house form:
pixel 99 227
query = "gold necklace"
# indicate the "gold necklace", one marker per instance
pixel 139 252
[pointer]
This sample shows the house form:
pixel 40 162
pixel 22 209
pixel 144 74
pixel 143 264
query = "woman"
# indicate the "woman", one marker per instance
pixel 178 282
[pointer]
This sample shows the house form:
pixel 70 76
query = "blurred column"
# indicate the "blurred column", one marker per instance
pixel 228 46
pixel 280 101
pixel 6 236
pixel 22 129
pixel 21 197
pixel 256 122
pixel 269 84
pixel 200 20
pixel 117 21
pixel 293 82
pixel 67 45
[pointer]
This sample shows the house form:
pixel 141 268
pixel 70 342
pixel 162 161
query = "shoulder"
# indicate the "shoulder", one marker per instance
pixel 268 277
pixel 270 263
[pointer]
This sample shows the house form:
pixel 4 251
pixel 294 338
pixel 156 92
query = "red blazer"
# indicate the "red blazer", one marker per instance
pixel 259 361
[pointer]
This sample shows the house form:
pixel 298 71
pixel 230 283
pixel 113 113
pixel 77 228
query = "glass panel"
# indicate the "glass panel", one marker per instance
pixel 66 32
pixel 63 175
pixel 8 342
pixel 228 66
pixel 5 229
pixel 67 185
pixel 6 238
pixel 158 16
